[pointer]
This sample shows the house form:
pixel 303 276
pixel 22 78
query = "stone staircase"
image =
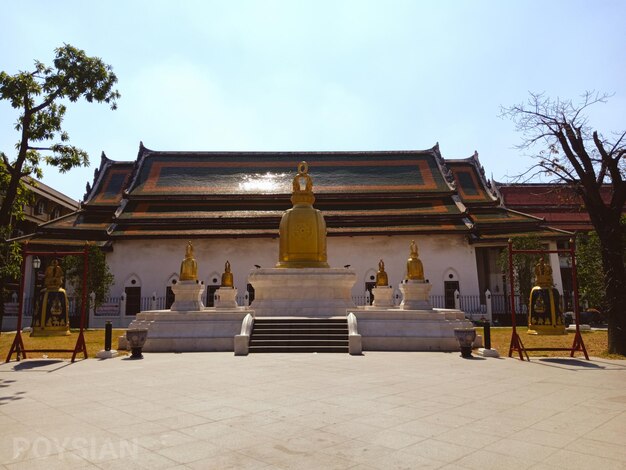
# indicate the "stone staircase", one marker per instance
pixel 292 334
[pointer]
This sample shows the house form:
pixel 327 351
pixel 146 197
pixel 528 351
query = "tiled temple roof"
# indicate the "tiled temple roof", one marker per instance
pixel 244 194
pixel 557 204
pixel 207 174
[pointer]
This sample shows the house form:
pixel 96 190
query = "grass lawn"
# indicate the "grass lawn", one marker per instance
pixel 93 338
pixel 596 343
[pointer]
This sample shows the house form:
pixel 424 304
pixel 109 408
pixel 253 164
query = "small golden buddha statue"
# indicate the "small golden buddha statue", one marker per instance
pixel 227 276
pixel 414 267
pixel 543 274
pixel 189 267
pixel 381 275
pixel 54 276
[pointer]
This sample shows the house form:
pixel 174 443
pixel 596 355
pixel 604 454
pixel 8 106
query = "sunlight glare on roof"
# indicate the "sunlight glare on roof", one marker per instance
pixel 268 182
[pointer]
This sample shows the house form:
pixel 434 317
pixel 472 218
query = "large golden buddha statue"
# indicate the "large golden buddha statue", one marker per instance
pixel 227 276
pixel 53 279
pixel 543 274
pixel 302 228
pixel 414 267
pixel 381 276
pixel 189 267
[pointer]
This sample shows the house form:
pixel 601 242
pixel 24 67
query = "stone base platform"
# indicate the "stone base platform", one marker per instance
pixel 193 331
pixel 304 292
pixel 395 329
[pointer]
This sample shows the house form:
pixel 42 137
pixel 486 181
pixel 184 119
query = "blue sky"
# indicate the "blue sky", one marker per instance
pixel 320 75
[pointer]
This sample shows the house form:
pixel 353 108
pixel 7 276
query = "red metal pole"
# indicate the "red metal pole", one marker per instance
pixel 18 343
pixel 80 344
pixel 578 339
pixel 512 286
pixel 575 284
pixel 85 273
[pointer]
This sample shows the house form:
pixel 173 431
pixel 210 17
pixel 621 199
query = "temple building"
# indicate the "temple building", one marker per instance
pixel 144 212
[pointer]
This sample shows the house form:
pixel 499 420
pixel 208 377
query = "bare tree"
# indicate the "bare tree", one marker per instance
pixel 593 165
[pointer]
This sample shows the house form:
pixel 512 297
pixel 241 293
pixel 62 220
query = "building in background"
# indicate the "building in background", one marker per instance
pixel 229 204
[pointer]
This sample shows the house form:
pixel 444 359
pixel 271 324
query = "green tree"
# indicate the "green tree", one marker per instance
pixel 589 267
pixel 567 150
pixel 589 270
pixel 523 265
pixel 10 252
pixel 99 277
pixel 41 95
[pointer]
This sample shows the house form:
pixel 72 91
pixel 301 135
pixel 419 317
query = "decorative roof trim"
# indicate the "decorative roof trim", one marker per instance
pixel 448 177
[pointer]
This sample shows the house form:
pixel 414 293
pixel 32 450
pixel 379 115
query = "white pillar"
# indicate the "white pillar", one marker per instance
pixel 123 309
pixel 489 306
pixel 457 300
pixel 92 310
pixel 153 305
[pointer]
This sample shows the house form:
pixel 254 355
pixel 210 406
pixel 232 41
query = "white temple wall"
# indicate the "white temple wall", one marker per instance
pixel 156 262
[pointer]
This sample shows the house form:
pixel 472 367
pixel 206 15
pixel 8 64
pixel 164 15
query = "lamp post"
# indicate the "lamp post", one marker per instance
pixel 36 266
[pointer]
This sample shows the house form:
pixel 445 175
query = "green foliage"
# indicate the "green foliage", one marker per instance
pixel 10 252
pixel 589 269
pixel 39 95
pixel 523 265
pixel 591 282
pixel 99 278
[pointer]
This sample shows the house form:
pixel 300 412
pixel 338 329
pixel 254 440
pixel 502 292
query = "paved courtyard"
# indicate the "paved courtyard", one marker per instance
pixel 381 410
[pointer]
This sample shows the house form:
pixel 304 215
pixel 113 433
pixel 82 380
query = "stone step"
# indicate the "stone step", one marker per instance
pixel 302 330
pixel 299 319
pixel 299 342
pixel 298 349
pixel 308 336
pixel 292 334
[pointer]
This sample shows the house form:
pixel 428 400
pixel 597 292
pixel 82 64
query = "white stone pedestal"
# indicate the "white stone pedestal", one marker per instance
pixel 188 296
pixel 383 296
pixel 304 292
pixel 395 329
pixel 207 330
pixel 484 352
pixel 102 354
pixel 225 297
pixel 415 295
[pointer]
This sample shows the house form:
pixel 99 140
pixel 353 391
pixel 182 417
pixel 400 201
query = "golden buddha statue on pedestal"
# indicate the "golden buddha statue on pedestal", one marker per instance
pixel 189 267
pixel 227 276
pixel 381 276
pixel 54 276
pixel 414 267
pixel 543 274
pixel 302 228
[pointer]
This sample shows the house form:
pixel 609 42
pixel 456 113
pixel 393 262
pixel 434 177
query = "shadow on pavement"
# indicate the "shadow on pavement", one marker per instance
pixel 40 365
pixel 570 362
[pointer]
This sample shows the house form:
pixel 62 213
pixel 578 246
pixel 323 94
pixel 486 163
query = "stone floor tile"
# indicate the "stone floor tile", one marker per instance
pixel 228 461
pixel 432 449
pixel 171 438
pixel 392 439
pixel 189 452
pixel 570 459
pixel 421 428
pixel 357 451
pixel 466 436
pixel 522 450
pixel 591 446
pixel 485 460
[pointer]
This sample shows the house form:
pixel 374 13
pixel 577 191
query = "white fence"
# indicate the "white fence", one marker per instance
pixel 493 308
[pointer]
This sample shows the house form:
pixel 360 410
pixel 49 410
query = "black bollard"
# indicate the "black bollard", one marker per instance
pixel 108 334
pixel 487 334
